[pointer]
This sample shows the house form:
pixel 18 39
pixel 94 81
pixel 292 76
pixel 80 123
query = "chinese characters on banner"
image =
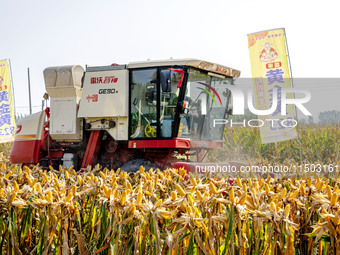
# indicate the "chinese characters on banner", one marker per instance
pixel 269 65
pixel 7 117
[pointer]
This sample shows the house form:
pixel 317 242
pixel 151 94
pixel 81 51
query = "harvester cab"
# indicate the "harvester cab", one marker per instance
pixel 145 113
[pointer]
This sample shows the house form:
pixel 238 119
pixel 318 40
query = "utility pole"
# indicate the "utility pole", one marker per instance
pixel 29 90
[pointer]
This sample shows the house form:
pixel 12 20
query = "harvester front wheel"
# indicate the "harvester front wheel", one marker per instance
pixel 132 166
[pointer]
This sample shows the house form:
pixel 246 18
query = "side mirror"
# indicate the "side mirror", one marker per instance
pixel 166 80
pixel 230 111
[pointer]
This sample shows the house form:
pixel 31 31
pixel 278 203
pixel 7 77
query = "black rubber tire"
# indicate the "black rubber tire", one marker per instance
pixel 133 166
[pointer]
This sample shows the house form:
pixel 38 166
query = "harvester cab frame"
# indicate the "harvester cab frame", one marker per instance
pixel 125 115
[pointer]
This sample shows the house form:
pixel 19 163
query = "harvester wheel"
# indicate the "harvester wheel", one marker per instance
pixel 134 165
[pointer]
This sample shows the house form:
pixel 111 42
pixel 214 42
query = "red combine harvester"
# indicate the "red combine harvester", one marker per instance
pixel 153 113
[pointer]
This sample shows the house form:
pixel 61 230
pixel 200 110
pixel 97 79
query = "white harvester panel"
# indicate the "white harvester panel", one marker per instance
pixel 63 118
pixel 105 94
pixel 63 85
pixel 32 127
pixel 105 98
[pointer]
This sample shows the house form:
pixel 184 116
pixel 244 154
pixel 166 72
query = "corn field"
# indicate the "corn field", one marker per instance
pixel 103 211
pixel 319 143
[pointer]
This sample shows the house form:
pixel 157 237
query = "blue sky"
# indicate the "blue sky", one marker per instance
pixel 38 34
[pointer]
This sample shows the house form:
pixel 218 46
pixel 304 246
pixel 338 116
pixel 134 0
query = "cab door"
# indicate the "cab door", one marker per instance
pixel 144 91
pixel 153 102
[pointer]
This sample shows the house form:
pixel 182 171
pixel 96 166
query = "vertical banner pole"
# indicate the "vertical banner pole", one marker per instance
pixel 291 77
pixel 29 90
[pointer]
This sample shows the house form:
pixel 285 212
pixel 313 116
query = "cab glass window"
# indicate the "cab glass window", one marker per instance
pixel 144 103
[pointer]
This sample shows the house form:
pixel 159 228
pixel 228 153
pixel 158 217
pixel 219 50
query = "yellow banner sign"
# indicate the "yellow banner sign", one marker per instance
pixel 270 72
pixel 7 116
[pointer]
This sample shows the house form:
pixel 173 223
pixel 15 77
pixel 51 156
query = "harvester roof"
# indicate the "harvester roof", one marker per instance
pixel 200 64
